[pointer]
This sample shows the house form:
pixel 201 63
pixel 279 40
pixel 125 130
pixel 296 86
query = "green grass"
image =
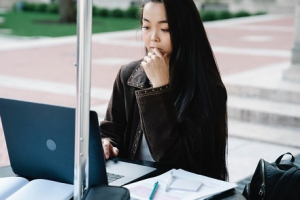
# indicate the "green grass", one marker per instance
pixel 45 24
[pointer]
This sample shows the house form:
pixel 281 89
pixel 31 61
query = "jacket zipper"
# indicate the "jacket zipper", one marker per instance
pixel 262 190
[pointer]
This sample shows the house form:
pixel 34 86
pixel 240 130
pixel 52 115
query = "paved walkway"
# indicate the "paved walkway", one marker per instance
pixel 41 70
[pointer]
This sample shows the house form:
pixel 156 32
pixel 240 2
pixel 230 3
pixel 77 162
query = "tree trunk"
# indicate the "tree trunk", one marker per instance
pixel 67 11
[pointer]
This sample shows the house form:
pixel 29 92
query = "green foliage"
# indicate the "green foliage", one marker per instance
pixel 241 14
pixel 101 12
pixel 52 8
pixel 104 12
pixel 132 12
pixel 208 15
pixel 40 7
pixel 75 9
pixel 260 13
pixel 37 7
pixel 117 12
pixel 223 15
pixel 94 10
pixel 47 24
pixel 28 6
pixel 18 6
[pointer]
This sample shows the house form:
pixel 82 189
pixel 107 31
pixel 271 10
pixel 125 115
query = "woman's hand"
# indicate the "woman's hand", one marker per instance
pixel 109 149
pixel 156 67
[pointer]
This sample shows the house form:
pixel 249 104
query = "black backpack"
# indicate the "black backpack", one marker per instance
pixel 274 181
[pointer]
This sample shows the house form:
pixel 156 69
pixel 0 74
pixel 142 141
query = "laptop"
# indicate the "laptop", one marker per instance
pixel 40 141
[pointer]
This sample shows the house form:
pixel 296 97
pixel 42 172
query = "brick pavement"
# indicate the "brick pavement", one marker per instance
pixel 42 70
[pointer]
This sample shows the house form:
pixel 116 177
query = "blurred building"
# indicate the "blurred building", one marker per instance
pixel 269 6
pixel 8 4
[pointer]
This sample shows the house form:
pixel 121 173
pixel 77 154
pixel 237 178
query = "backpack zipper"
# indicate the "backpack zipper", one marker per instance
pixel 262 190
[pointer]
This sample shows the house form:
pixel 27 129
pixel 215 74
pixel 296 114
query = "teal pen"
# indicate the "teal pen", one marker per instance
pixel 153 191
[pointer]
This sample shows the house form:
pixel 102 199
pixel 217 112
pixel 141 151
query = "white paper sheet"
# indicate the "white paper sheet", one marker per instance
pixel 185 184
pixel 142 189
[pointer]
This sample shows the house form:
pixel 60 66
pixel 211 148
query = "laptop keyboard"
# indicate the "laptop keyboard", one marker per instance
pixel 112 177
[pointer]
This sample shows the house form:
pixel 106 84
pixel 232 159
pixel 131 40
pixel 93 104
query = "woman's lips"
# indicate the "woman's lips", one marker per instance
pixel 156 48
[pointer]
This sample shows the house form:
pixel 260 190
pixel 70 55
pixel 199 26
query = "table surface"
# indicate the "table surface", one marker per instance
pixel 232 194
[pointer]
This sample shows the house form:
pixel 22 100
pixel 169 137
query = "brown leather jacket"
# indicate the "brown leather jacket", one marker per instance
pixel 135 109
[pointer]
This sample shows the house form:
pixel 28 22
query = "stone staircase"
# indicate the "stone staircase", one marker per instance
pixel 264 107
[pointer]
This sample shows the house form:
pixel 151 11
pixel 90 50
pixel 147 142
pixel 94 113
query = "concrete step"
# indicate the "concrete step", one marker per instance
pixel 259 84
pixel 264 111
pixel 286 136
pixel 284 92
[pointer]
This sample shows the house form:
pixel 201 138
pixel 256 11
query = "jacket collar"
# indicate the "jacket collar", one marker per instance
pixel 138 78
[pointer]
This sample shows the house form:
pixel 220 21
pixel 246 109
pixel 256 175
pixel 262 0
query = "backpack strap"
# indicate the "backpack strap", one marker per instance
pixel 285 164
pixel 285 184
pixel 278 160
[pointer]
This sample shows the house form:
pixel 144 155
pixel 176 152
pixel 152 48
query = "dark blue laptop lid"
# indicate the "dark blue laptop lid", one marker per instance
pixel 40 140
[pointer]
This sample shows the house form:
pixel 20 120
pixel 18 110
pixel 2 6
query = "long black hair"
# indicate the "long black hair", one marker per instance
pixel 196 83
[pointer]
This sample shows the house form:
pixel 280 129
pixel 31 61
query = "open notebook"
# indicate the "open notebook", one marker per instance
pixel 40 141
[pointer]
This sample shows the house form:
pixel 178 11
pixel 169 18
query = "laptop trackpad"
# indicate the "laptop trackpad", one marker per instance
pixel 127 171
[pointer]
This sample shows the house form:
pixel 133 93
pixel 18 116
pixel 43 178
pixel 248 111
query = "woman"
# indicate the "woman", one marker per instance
pixel 170 106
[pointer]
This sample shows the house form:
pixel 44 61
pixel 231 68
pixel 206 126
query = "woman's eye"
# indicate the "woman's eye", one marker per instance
pixel 165 30
pixel 145 27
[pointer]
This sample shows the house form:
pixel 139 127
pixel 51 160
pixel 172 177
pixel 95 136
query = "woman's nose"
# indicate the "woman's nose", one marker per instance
pixel 154 36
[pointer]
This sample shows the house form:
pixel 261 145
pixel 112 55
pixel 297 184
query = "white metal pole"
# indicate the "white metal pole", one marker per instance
pixel 293 72
pixel 296 47
pixel 84 34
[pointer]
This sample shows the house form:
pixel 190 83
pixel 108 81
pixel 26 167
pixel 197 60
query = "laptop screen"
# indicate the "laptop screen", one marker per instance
pixel 40 140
